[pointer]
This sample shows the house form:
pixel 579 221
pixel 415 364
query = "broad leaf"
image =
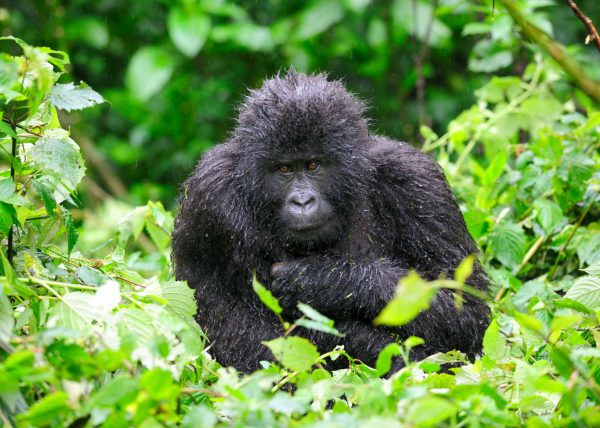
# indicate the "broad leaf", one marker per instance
pixel 70 97
pixel 508 243
pixel 413 295
pixel 148 71
pixel 60 163
pixel 294 353
pixel 586 291
pixel 188 30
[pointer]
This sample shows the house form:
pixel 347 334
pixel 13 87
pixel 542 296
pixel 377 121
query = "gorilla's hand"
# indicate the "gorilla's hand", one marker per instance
pixel 329 284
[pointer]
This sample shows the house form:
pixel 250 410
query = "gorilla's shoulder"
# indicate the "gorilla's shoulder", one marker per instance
pixel 211 187
pixel 400 160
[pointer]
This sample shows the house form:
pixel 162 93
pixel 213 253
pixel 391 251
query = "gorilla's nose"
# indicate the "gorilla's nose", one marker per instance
pixel 302 203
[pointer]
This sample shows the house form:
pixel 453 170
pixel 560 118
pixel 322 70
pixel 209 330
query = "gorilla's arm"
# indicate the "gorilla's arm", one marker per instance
pixel 347 290
pixel 337 286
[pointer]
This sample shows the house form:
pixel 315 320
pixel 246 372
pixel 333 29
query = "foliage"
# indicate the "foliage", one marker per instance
pixel 174 71
pixel 111 341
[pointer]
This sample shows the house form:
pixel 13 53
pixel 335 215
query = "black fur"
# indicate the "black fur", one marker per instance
pixel 393 211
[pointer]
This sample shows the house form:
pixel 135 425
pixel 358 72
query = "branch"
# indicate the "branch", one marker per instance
pixel 592 32
pixel 555 50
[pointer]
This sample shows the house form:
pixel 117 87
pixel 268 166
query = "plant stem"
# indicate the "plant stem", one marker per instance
pixel 12 176
pixel 554 49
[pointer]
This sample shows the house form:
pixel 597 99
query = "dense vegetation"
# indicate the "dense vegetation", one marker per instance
pixel 95 331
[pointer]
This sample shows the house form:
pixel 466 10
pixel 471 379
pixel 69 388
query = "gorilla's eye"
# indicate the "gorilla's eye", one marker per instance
pixel 284 169
pixel 312 165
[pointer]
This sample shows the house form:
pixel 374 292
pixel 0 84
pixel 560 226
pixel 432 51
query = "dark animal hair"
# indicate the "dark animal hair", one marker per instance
pixel 392 211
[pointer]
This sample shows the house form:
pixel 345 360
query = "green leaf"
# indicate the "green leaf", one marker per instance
pixel 199 416
pixel 464 269
pixel 180 298
pixel 76 311
pixel 549 214
pixel 118 391
pixel 593 269
pixel 72 234
pixel 416 21
pixel 7 189
pixel 5 128
pixel 136 325
pixel 588 248
pixel 70 97
pixel 413 295
pixel 508 244
pixel 316 321
pixel 7 321
pixel 494 343
pixel 586 290
pixel 60 164
pixel 148 71
pixel 46 195
pixel 494 171
pixel 47 411
pixel 313 314
pixel 314 325
pixel 266 296
pixel 430 411
pixel 293 352
pixel 7 212
pixel 188 30
pixel 90 276
pixel 159 385
pixel 384 359
pixel 317 18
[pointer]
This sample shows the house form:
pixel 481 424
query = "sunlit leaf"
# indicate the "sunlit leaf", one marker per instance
pixel 148 71
pixel 294 353
pixel 188 30
pixel 70 97
pixel 413 295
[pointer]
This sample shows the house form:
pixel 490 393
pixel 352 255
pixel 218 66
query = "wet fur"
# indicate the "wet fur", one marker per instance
pixel 393 211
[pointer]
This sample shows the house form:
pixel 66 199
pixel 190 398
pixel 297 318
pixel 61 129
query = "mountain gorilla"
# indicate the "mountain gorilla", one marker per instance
pixel 326 214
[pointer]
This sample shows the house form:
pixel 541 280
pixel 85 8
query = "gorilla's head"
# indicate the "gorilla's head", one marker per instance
pixel 304 140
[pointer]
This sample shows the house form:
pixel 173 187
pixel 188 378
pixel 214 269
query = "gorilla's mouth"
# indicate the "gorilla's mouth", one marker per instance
pixel 307 228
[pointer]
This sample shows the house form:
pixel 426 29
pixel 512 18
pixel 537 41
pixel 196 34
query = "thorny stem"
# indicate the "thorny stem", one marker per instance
pixel 589 25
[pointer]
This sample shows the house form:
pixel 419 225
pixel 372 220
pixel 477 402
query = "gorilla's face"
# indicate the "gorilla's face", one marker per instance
pixel 303 198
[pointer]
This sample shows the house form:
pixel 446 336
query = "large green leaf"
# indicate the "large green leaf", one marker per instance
pixel 431 411
pixel 508 244
pixel 494 343
pixel 180 298
pixel 317 18
pixel 76 311
pixel 148 71
pixel 549 214
pixel 58 159
pixel 295 353
pixel 586 290
pixel 412 296
pixel 188 30
pixel 70 97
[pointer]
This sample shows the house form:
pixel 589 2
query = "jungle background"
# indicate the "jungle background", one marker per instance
pixel 504 94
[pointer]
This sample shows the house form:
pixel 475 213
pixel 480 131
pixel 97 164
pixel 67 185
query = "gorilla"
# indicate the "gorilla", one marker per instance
pixel 324 213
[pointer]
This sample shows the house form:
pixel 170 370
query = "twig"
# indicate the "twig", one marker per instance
pixel 554 49
pixel 12 176
pixel 592 32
